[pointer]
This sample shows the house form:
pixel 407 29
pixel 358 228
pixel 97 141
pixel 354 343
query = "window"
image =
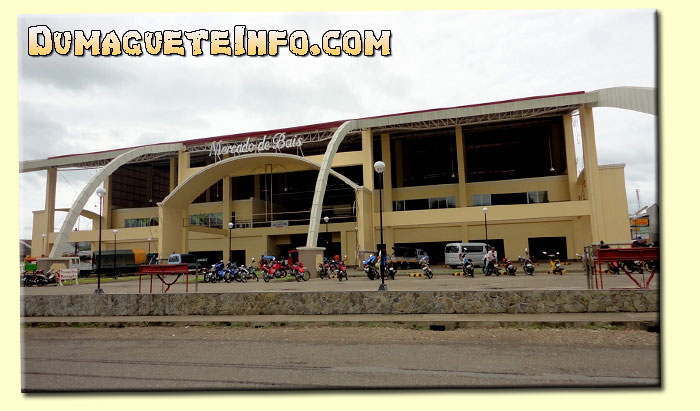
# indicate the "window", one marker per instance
pixel 424 203
pixel 537 197
pixel 140 222
pixel 207 220
pixel 481 200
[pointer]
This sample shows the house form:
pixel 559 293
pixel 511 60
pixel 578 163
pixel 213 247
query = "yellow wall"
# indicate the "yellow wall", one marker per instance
pixel 614 200
pixel 556 186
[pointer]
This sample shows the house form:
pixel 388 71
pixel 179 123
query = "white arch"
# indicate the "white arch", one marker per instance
pixel 95 181
pixel 175 196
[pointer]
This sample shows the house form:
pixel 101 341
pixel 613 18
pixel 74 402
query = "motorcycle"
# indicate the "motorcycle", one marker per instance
pixel 272 270
pixel 300 272
pixel 35 278
pixel 491 268
pixel 555 263
pixel 370 268
pixel 510 268
pixel 246 273
pixel 468 267
pixel 426 268
pixel 218 272
pixel 528 267
pixel 324 269
pixel 389 270
pixel 633 266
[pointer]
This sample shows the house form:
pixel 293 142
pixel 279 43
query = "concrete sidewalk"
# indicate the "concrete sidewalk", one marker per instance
pixel 637 321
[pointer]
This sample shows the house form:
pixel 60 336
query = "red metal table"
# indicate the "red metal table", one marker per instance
pixel 610 255
pixel 160 270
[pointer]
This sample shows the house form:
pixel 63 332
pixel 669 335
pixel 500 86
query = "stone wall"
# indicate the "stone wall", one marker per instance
pixel 343 302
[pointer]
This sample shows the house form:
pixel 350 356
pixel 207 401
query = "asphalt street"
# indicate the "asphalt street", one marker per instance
pixel 213 358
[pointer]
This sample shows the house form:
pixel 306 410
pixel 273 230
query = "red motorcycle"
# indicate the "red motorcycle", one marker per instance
pixel 271 270
pixel 300 272
pixel 324 269
pixel 340 270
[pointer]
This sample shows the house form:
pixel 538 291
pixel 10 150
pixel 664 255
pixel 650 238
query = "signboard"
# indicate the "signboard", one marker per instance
pixel 280 223
pixel 277 142
pixel 639 222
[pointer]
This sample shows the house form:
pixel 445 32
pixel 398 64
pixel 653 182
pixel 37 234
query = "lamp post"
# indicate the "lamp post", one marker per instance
pixel 149 244
pixel 379 167
pixel 328 243
pixel 100 193
pixel 230 227
pixel 114 262
pixel 486 228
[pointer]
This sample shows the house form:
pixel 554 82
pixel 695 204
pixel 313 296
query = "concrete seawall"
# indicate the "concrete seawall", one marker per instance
pixel 343 302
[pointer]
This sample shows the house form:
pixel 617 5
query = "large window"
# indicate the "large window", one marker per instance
pixel 531 197
pixel 213 220
pixel 140 222
pixel 425 203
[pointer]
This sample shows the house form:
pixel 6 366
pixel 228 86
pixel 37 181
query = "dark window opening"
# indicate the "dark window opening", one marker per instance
pixel 427 158
pixel 138 186
pixel 515 150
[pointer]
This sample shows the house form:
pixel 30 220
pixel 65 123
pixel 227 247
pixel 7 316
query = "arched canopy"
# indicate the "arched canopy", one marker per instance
pixel 188 190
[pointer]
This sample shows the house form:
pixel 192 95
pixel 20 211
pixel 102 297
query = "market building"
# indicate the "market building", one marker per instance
pixel 521 173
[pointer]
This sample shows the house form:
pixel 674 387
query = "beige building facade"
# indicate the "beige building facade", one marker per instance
pixel 520 174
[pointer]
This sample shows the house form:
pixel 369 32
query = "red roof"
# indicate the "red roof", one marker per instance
pixel 320 126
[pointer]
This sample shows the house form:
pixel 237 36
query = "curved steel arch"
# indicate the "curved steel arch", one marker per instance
pixel 204 178
pixel 95 181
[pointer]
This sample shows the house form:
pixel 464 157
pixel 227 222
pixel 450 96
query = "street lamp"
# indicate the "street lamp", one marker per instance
pixel 114 263
pixel 486 228
pixel 328 243
pixel 149 244
pixel 100 193
pixel 230 255
pixel 379 167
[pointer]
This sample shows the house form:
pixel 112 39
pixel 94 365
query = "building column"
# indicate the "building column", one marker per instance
pixel 590 161
pixel 465 232
pixel 365 224
pixel 174 235
pixel 183 165
pixel 173 174
pixel 570 156
pixel 107 205
pixel 386 175
pixel 49 207
pixel 226 212
pixel 461 168
pixel 368 159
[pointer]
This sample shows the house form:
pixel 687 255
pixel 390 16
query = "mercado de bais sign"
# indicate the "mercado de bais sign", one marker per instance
pixel 277 142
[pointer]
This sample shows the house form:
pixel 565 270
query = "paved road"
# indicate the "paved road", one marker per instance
pixel 206 358
pixel 443 280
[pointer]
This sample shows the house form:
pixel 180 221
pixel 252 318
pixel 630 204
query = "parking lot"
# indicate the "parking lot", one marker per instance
pixel 444 279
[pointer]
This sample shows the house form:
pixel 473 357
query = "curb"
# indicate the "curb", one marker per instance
pixel 648 322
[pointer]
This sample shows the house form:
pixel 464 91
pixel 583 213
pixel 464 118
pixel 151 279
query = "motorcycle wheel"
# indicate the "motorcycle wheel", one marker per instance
pixel 266 278
pixel 429 273
pixel 253 275
pixel 27 282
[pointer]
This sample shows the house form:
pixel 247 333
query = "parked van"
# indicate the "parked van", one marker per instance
pixel 188 259
pixel 473 251
pixel 405 257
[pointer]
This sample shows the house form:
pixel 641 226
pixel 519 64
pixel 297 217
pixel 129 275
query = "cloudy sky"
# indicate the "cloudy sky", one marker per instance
pixel 70 105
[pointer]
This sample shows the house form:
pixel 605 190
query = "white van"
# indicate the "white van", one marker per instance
pixel 473 251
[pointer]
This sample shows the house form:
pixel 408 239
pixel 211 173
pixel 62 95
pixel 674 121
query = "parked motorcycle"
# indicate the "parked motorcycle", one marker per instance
pixel 324 269
pixel 35 278
pixel 300 272
pixel 468 267
pixel 390 270
pixel 247 273
pixel 509 267
pixel 555 263
pixel 528 266
pixel 370 268
pixel 426 268
pixel 272 270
